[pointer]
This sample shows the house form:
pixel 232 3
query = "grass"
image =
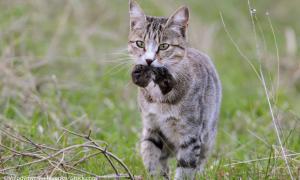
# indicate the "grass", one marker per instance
pixel 64 64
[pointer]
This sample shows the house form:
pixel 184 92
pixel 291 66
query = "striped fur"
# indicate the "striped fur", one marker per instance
pixel 179 94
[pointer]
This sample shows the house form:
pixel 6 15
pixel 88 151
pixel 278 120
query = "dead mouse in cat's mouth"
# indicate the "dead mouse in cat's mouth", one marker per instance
pixel 142 75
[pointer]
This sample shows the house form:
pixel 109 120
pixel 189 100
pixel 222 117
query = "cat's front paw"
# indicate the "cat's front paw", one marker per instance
pixel 160 74
pixel 164 79
pixel 141 75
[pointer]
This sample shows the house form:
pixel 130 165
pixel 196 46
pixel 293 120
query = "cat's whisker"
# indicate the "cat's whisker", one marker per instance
pixel 118 53
pixel 114 60
pixel 123 53
pixel 120 50
pixel 115 69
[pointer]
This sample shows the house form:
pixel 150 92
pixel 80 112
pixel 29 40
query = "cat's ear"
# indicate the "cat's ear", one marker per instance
pixel 178 21
pixel 137 16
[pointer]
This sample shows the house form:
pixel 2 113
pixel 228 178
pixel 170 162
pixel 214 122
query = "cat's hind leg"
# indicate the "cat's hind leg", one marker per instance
pixel 188 159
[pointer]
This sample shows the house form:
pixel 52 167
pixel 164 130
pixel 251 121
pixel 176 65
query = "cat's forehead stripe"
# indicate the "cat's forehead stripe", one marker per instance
pixel 154 27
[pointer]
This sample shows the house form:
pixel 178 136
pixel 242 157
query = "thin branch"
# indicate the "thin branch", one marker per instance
pixel 104 151
pixel 42 150
pixel 56 162
pixel 42 159
pixel 24 141
pixel 86 158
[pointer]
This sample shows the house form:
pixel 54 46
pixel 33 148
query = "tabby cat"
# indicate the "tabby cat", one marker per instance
pixel 179 93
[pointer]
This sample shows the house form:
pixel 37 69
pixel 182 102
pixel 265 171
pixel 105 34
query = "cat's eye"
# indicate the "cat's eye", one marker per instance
pixel 164 46
pixel 140 44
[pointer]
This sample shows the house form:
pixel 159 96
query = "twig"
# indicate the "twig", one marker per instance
pixel 85 158
pixel 25 141
pixel 19 153
pixel 56 162
pixel 104 151
pixel 114 157
pixel 39 147
pixel 44 158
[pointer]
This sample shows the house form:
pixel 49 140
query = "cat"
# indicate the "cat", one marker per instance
pixel 179 93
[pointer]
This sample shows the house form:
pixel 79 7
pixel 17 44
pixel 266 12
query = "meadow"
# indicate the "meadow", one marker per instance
pixel 64 65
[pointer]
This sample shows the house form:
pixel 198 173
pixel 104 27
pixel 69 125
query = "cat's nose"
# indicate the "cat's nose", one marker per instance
pixel 149 61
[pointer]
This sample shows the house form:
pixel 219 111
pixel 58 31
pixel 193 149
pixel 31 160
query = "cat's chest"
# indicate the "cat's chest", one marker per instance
pixel 167 119
pixel 160 113
pixel 154 91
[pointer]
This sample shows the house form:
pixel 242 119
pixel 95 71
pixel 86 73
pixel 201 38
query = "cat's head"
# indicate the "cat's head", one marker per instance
pixel 157 41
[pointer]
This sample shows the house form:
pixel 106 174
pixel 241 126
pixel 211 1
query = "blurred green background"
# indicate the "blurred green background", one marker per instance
pixel 65 64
